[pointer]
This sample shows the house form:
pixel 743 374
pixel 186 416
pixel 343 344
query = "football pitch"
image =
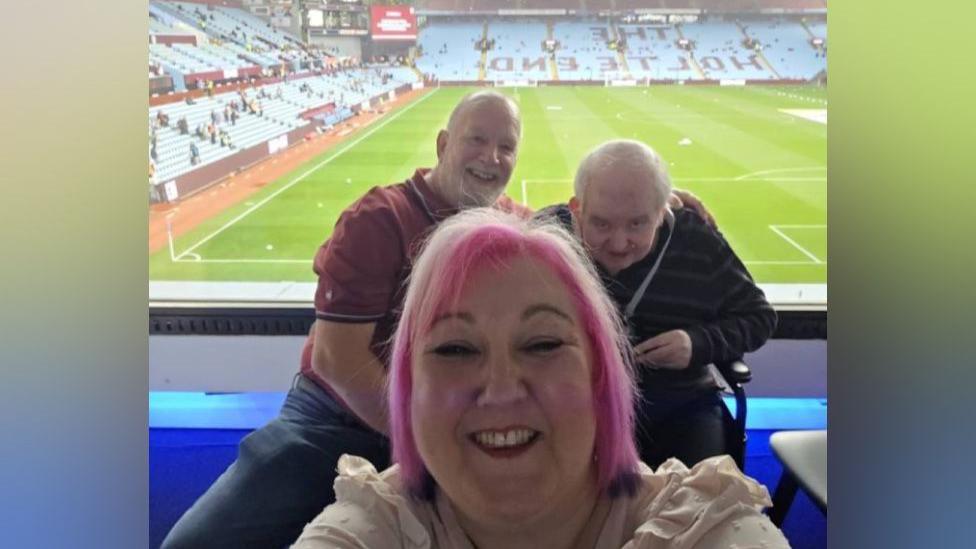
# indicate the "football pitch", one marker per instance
pixel 756 155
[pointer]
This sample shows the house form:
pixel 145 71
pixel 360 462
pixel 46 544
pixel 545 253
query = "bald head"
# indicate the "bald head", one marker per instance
pixel 629 156
pixel 482 97
pixel 621 190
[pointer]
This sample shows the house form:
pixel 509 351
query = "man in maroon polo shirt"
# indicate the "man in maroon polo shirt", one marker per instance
pixel 284 471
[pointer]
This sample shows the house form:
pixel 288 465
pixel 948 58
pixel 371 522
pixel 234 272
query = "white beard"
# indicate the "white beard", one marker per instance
pixel 481 197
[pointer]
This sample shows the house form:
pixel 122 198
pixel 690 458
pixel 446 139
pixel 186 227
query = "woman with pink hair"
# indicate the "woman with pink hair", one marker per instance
pixel 511 412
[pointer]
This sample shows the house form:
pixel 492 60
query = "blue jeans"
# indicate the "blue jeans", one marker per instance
pixel 283 475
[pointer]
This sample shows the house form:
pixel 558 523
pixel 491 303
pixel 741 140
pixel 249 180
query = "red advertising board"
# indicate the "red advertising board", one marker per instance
pixel 393 23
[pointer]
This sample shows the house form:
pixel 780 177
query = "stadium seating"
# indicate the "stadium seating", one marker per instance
pixel 786 45
pixel 720 52
pixel 645 43
pixel 819 29
pixel 227 21
pixel 281 114
pixel 449 51
pixel 173 59
pixel 551 4
pixel 518 53
pixel 583 51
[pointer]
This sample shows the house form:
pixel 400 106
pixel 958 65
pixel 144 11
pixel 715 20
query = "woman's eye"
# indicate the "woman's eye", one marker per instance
pixel 544 346
pixel 454 350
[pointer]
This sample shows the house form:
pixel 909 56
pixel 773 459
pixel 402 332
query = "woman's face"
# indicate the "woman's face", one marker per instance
pixel 502 411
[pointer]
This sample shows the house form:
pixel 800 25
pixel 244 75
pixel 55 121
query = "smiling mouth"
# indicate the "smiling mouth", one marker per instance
pixel 505 443
pixel 480 175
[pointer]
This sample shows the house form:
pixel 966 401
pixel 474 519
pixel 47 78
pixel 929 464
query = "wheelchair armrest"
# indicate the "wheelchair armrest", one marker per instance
pixel 735 371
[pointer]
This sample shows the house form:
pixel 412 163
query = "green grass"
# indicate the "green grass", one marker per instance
pixel 754 166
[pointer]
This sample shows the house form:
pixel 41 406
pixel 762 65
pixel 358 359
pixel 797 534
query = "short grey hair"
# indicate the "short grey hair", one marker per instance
pixel 630 154
pixel 484 96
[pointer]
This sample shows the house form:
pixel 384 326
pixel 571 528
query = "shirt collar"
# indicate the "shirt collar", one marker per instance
pixel 435 206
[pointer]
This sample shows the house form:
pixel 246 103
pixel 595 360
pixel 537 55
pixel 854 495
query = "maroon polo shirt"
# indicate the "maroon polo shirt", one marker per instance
pixel 362 267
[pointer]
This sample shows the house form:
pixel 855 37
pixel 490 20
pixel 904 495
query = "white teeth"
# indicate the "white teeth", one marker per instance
pixel 514 437
pixel 482 175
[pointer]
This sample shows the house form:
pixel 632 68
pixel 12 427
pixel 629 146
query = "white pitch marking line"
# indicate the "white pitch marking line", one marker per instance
pixel 749 179
pixel 525 193
pixel 303 261
pixel 783 263
pixel 780 170
pixel 775 229
pixel 332 157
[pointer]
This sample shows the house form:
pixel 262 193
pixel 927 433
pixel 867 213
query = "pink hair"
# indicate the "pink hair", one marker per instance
pixel 483 239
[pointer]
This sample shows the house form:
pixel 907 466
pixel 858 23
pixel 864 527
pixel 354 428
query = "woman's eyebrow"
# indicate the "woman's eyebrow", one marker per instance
pixel 541 308
pixel 462 315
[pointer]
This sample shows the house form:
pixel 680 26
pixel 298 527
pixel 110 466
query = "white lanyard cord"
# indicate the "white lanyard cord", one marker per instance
pixel 639 294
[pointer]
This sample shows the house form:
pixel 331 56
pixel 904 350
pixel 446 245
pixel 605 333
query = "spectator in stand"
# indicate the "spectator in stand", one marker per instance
pixel 194 154
pixel 213 117
pixel 701 307
pixel 183 125
pixel 233 117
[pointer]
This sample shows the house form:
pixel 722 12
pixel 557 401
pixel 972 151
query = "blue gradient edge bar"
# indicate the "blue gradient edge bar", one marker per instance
pixel 184 410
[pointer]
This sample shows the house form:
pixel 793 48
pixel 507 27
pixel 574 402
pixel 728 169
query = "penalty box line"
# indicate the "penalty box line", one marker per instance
pixel 777 229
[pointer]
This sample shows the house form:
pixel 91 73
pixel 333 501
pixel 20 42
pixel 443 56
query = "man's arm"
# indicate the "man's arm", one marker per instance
pixel 342 357
pixel 745 319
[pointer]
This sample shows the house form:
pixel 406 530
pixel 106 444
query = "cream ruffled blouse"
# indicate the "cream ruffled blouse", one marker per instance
pixel 711 505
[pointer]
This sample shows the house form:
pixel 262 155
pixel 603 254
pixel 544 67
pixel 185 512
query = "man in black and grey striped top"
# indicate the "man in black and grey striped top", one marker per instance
pixel 687 299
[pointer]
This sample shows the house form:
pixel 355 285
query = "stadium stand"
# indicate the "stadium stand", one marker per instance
pixel 551 4
pixel 786 46
pixel 450 51
pixel 719 51
pixel 652 52
pixel 583 52
pixel 282 105
pixel 232 21
pixel 818 29
pixel 794 4
pixel 517 52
